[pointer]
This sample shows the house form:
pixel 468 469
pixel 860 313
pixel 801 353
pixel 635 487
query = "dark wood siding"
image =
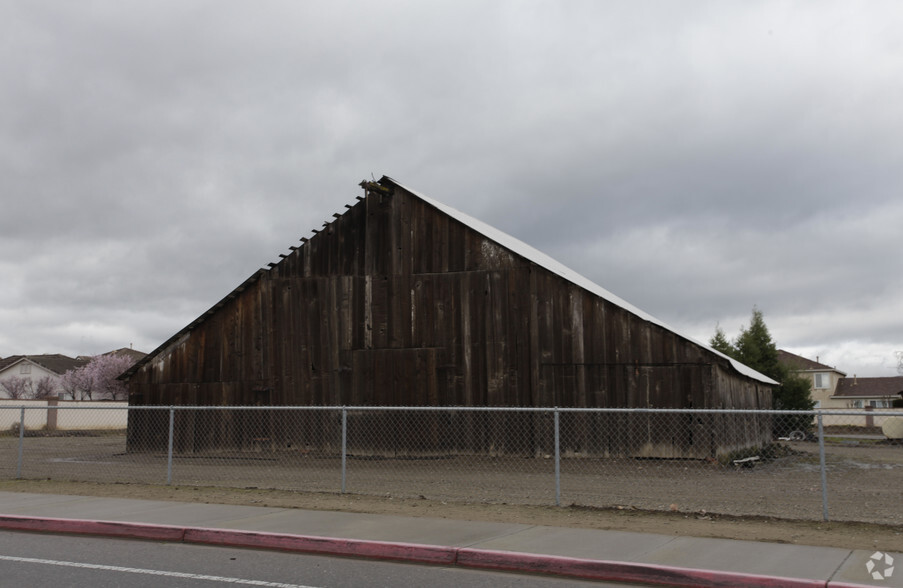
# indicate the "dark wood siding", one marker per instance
pixel 396 303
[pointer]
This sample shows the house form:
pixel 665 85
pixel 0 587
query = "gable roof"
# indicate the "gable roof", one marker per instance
pixel 56 363
pixel 871 387
pixel 803 364
pixel 507 241
pixel 543 260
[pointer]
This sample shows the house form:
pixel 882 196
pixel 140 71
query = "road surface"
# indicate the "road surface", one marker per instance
pixel 70 561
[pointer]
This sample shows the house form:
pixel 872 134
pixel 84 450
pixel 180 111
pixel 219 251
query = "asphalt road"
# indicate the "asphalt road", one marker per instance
pixel 70 561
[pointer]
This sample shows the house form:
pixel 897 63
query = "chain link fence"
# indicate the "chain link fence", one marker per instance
pixel 836 465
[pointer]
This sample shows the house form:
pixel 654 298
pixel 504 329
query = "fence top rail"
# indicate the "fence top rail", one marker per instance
pixel 69 407
pixel 688 411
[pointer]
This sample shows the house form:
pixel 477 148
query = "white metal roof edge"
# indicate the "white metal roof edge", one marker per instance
pixel 543 260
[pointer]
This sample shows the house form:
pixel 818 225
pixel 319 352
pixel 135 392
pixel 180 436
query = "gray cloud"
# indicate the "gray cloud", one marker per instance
pixel 694 158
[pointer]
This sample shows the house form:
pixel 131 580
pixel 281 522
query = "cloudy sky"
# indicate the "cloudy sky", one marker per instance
pixel 695 158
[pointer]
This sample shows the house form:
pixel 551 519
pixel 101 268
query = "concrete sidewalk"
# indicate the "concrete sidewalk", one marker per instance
pixel 590 554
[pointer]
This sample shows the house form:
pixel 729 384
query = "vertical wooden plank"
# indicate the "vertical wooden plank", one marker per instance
pixel 441 263
pixel 359 379
pixel 549 338
pixel 535 399
pixel 406 243
pixel 334 332
pixel 394 236
pixel 467 358
pixel 379 312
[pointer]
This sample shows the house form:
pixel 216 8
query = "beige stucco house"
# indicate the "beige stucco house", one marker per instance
pixel 833 390
pixel 825 379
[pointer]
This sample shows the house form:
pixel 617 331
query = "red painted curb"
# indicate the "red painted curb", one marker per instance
pixel 89 527
pixel 411 552
pixel 615 571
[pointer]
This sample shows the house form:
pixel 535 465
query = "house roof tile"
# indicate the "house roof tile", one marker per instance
pixel 56 363
pixel 870 387
pixel 803 364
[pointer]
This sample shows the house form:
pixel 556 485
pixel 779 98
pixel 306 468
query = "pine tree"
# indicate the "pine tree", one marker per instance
pixel 719 342
pixel 755 348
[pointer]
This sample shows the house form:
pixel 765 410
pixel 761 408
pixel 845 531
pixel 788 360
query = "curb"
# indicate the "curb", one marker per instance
pixel 586 569
pixel 89 527
pixel 618 571
pixel 407 552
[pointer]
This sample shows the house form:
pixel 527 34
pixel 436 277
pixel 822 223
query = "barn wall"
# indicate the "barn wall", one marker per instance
pixel 395 303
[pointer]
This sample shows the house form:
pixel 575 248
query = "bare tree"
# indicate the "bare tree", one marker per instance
pixel 46 388
pixel 70 383
pixel 78 383
pixel 17 388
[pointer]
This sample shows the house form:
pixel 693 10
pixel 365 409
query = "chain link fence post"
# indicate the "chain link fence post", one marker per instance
pixel 557 461
pixel 21 442
pixel 172 419
pixel 824 472
pixel 344 444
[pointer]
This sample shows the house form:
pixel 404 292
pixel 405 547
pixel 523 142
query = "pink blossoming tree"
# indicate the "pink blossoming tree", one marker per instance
pixel 97 379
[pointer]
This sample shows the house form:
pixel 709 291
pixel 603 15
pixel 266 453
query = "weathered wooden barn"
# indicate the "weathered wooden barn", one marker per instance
pixel 403 301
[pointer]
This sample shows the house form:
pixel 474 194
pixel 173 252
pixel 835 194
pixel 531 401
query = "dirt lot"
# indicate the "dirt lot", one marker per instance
pixel 777 500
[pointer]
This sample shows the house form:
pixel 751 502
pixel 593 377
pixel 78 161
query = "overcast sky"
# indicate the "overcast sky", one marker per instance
pixel 695 158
